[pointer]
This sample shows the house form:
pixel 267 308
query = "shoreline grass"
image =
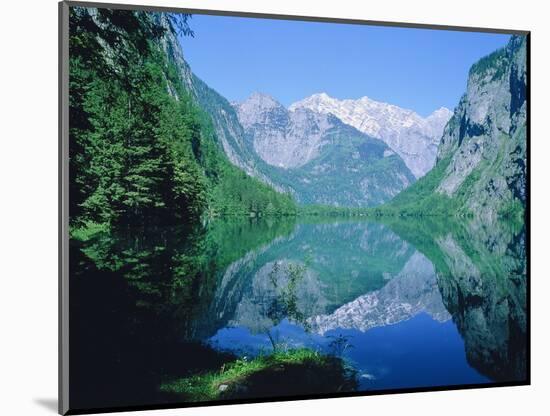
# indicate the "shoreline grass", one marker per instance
pixel 279 373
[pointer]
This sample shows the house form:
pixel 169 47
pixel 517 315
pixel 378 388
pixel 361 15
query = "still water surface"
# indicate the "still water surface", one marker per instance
pixel 405 303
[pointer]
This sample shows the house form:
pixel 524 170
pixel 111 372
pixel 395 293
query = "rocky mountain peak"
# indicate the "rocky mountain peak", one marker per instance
pixel 413 137
pixel 281 138
pixel 260 108
pixel 321 96
pixel 441 113
pixel 261 100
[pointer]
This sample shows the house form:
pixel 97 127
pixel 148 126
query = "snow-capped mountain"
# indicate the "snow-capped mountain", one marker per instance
pixel 411 136
pixel 319 158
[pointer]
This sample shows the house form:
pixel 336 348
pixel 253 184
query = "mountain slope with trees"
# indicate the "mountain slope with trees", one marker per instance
pixel 367 180
pixel 141 151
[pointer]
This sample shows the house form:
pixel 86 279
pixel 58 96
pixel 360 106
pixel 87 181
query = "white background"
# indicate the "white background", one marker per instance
pixel 28 205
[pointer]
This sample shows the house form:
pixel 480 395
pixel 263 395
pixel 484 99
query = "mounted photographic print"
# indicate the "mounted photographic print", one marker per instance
pixel 259 207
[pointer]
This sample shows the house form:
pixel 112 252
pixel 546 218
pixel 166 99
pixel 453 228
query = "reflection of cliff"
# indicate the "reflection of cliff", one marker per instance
pixel 481 274
pixel 231 284
pixel 412 291
pixel 487 298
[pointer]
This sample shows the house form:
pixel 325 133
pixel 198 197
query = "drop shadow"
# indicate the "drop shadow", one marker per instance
pixel 49 404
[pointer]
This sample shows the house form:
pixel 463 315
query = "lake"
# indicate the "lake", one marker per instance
pixel 405 303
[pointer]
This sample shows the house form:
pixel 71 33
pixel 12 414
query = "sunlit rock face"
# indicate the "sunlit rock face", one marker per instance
pixel 484 143
pixel 282 138
pixel 413 137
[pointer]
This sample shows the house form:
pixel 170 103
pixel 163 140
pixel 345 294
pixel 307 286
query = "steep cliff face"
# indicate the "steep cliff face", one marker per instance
pixel 412 137
pixel 319 158
pixel 484 144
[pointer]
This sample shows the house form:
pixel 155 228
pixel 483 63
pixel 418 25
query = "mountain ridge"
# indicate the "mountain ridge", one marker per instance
pixel 413 137
pixel 318 157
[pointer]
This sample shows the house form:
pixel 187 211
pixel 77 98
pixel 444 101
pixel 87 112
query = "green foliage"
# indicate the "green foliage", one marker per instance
pixel 131 155
pixel 280 366
pixel 333 211
pixel 495 61
pixel 419 199
pixel 472 238
pixel 352 162
pixel 88 231
pixel 141 153
pixel 286 304
pixel 165 264
pixel 422 199
pixel 423 234
pixel 236 194
pixel 333 249
pixel 229 238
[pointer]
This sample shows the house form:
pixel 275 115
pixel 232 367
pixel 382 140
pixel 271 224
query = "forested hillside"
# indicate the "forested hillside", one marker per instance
pixel 141 151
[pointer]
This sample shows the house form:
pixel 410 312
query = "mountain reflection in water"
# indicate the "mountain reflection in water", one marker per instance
pixel 407 303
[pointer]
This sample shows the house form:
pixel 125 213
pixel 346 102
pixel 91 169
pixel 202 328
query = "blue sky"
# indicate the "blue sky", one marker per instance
pixel 419 69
